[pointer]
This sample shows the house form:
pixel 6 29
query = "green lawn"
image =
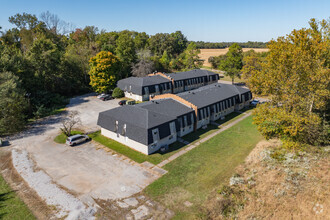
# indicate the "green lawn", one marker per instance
pixel 193 176
pixel 135 155
pixel 11 207
pixel 200 133
pixel 61 138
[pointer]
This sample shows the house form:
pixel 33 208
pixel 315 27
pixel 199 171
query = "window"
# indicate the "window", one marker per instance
pixel 202 114
pixel 230 102
pixel 157 88
pixel 234 100
pixel 116 129
pixel 205 114
pixel 116 126
pixel 146 90
pixel 172 128
pixel 124 130
pixel 165 86
pixel 155 135
pixel 130 88
pixel 185 121
pixel 208 111
pixel 192 118
pixel 180 123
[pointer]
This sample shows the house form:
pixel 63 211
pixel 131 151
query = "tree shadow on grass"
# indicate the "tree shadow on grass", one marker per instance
pixel 3 198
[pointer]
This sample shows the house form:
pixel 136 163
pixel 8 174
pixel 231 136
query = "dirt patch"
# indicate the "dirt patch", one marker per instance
pixel 276 184
pixel 138 206
pixel 38 207
pixel 206 53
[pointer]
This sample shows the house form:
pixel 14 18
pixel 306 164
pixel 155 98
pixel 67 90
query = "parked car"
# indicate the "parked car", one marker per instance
pixel 130 102
pixel 77 139
pixel 106 97
pixel 254 102
pixel 100 95
pixel 122 102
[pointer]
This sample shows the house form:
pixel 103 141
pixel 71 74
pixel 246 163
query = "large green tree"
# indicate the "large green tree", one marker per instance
pixel 104 71
pixel 12 104
pixel 296 77
pixel 233 62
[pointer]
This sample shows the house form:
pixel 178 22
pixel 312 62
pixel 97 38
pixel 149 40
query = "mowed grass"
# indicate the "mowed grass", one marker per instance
pixel 193 176
pixel 11 207
pixel 154 158
pixel 61 138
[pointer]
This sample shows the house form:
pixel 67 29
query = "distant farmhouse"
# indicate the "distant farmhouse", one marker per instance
pixel 141 88
pixel 148 126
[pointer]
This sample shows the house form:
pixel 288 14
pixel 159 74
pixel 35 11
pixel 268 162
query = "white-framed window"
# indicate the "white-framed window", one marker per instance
pixel 202 114
pixel 124 130
pixel 117 129
pixel 172 128
pixel 116 126
pixel 146 90
pixel 185 120
pixel 155 135
pixel 209 111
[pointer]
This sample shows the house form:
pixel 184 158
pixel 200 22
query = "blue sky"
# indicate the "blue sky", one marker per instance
pixel 215 21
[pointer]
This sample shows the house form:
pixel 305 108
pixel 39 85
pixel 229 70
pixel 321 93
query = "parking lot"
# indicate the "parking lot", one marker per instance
pixel 85 170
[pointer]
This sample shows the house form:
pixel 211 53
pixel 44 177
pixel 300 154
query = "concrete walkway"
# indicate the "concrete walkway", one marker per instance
pixel 192 146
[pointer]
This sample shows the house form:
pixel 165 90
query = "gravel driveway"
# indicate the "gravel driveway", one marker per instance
pixel 85 170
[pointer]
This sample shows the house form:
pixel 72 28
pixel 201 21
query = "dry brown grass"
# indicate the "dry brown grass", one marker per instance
pixel 206 53
pixel 273 196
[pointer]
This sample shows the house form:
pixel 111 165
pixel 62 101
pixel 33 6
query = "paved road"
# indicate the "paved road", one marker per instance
pixel 85 169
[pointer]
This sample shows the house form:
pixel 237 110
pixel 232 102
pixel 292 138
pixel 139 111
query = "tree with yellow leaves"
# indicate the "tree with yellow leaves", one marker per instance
pixel 296 77
pixel 104 71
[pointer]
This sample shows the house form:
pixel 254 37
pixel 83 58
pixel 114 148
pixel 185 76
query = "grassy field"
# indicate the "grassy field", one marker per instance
pixel 61 138
pixel 135 155
pixel 11 207
pixel 206 53
pixel 193 176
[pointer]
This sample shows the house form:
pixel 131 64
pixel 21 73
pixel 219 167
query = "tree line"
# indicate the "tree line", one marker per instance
pixel 44 60
pixel 295 76
pixel 221 45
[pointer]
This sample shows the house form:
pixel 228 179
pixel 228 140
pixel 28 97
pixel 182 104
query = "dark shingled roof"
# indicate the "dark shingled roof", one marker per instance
pixel 137 83
pixel 213 93
pixel 190 74
pixel 168 107
pixel 139 117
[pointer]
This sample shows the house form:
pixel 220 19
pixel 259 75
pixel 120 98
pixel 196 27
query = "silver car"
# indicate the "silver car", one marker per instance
pixel 77 139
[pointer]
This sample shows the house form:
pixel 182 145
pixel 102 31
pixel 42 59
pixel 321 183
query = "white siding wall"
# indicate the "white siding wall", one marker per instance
pixel 186 130
pixel 165 141
pixel 125 140
pixel 136 145
pixel 133 96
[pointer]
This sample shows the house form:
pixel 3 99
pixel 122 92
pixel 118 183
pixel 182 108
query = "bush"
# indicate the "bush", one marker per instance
pixel 118 93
